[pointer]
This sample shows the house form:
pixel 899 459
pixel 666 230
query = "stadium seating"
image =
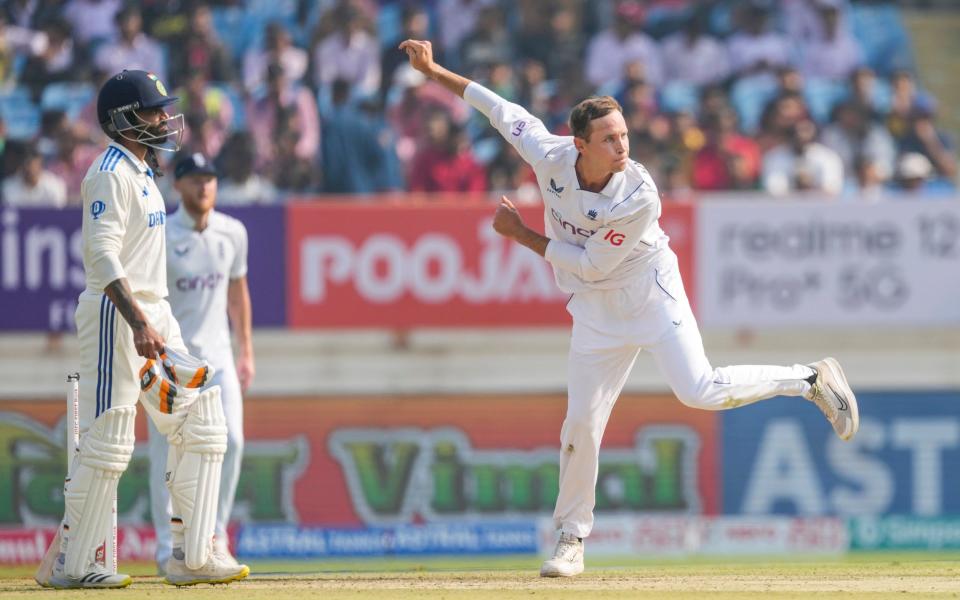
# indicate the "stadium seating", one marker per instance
pixel 883 37
pixel 66 96
pixel 21 115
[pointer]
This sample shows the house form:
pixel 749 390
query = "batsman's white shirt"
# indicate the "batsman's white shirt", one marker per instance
pixel 123 224
pixel 200 265
pixel 608 251
pixel 599 240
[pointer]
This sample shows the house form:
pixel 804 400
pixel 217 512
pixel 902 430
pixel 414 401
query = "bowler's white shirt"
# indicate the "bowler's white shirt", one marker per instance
pixel 598 240
pixel 200 265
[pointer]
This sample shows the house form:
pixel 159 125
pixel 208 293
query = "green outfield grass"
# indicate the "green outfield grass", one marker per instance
pixel 856 576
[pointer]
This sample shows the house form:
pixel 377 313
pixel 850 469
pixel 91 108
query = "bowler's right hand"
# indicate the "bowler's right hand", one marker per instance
pixel 421 55
pixel 147 341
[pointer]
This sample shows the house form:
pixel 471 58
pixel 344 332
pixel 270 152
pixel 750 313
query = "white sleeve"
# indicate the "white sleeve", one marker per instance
pixel 106 225
pixel 524 131
pixel 239 267
pixel 606 248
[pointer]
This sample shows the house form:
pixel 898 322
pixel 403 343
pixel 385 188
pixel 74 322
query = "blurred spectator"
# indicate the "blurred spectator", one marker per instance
pixel 913 170
pixel 74 156
pixel 533 91
pixel 292 171
pixel 445 162
pixel 566 42
pixel 755 49
pixel 19 13
pixel 802 21
pixel 728 160
pixel 531 36
pixel 863 90
pixel 357 152
pixel 693 56
pixel 870 186
pixel 904 103
pixel 802 164
pixel 212 106
pixel 199 49
pixel 32 185
pixel 16 40
pixel 456 19
pixel 418 97
pixel 713 98
pixel 203 135
pixel 239 184
pixel 4 150
pixel 923 137
pixel 58 61
pixel 507 173
pixel 92 20
pixel 267 114
pixel 52 125
pixel 858 140
pixel 778 119
pixel 416 26
pixel 277 49
pixel 489 43
pixel 611 50
pixel 133 49
pixel 350 52
pixel 915 175
pixel 835 54
pixel 789 80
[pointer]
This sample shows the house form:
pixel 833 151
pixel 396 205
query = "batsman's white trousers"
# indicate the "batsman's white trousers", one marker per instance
pixel 225 376
pixel 109 364
pixel 610 327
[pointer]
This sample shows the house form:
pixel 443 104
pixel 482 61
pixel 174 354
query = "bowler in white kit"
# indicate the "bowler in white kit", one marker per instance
pixel 607 250
pixel 207 279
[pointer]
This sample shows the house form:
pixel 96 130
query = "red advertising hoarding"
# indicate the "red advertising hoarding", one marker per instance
pixel 409 265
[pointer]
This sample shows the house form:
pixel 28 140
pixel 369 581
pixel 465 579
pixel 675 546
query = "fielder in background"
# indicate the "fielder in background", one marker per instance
pixel 138 356
pixel 606 248
pixel 207 279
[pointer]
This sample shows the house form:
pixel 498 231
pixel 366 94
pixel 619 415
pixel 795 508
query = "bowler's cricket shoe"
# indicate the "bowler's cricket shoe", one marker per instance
pixel 567 559
pixel 97 577
pixel 217 570
pixel 833 396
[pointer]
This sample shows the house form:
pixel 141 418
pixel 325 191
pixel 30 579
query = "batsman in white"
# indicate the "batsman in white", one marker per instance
pixel 138 356
pixel 207 279
pixel 607 249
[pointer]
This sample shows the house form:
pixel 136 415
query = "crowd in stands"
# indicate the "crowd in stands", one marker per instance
pixel 305 97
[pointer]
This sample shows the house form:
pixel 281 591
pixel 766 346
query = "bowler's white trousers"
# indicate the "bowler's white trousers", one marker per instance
pixel 225 375
pixel 610 327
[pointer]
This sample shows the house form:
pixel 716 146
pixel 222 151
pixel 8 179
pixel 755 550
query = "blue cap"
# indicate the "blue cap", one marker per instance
pixel 194 164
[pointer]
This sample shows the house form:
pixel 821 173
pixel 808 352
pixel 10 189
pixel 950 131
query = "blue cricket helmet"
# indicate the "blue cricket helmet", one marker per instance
pixel 130 91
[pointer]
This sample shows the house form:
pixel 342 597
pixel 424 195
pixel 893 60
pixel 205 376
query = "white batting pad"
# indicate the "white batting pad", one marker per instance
pixel 105 452
pixel 194 477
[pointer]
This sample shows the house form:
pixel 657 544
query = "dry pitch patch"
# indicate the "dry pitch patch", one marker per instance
pixel 871 576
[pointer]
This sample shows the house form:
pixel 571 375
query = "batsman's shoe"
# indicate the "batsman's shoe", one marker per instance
pixel 216 570
pixel 833 396
pixel 222 551
pixel 97 578
pixel 567 559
